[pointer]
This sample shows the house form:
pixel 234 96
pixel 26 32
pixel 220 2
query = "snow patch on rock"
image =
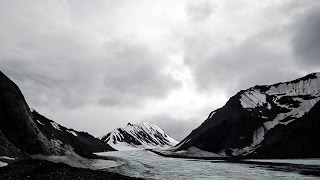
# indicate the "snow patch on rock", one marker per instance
pixel 7 158
pixel 303 87
pixel 252 99
pixel 3 164
pixel 40 122
pixel 55 125
pixel 72 132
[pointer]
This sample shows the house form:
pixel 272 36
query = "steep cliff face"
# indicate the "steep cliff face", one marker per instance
pixel 248 121
pixel 16 122
pixel 138 136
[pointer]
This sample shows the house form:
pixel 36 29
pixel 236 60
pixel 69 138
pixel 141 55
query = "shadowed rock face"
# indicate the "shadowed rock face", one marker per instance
pixel 298 139
pixel 8 149
pixel 224 129
pixel 24 133
pixel 16 121
pixel 264 121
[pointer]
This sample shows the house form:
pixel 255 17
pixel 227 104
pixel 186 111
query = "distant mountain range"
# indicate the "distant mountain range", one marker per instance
pixel 271 121
pixel 138 136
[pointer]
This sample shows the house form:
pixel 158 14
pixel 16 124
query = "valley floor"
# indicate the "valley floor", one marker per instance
pixel 148 165
pixel 40 169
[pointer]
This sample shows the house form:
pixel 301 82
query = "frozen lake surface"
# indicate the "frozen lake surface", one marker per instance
pixel 148 165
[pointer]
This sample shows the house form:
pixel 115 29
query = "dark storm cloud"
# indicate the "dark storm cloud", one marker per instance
pixel 306 41
pixel 199 10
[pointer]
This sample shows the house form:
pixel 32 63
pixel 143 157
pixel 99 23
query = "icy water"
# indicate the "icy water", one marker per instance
pixel 148 165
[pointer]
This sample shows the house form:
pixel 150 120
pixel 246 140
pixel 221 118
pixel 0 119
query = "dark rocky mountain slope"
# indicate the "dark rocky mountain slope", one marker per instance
pixel 298 139
pixel 18 132
pixel 69 139
pixel 280 120
pixel 24 132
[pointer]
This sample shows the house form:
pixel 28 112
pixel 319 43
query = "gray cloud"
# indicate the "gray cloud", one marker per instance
pixel 93 66
pixel 57 64
pixel 48 87
pixel 263 57
pixel 199 10
pixel 240 66
pixel 133 73
pixel 306 40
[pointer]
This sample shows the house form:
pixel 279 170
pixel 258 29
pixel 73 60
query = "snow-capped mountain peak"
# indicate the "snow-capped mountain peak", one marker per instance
pixel 138 136
pixel 250 117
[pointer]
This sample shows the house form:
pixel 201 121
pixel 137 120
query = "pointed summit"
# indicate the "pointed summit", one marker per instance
pixel 138 136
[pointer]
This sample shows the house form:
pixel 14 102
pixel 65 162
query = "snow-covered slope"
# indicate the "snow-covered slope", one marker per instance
pixel 138 136
pixel 251 117
pixel 292 100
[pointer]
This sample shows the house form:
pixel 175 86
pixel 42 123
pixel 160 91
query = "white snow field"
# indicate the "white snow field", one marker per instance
pixel 147 165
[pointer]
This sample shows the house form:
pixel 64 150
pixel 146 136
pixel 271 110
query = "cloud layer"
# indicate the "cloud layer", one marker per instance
pixel 98 65
pixel 306 40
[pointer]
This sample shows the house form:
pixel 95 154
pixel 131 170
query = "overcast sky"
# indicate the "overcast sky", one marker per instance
pixel 97 65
